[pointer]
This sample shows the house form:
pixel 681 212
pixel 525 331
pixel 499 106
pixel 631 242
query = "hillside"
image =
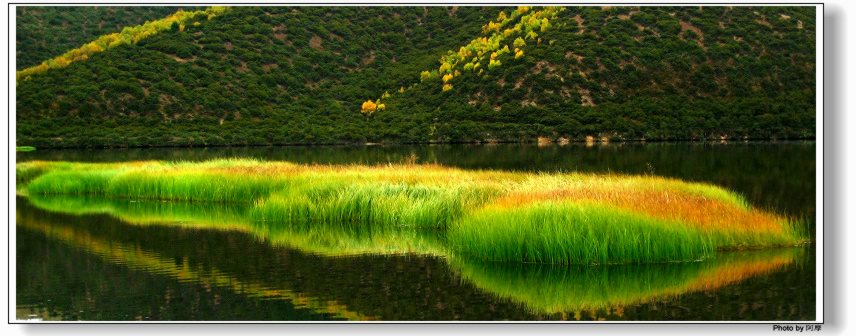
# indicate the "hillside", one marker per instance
pixel 284 75
pixel 47 31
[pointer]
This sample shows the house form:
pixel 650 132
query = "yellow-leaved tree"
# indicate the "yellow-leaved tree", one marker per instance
pixel 369 107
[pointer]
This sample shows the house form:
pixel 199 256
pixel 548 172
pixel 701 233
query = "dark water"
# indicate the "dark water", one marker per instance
pixel 90 259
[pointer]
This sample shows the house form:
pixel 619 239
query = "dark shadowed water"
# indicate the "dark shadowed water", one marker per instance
pixel 90 259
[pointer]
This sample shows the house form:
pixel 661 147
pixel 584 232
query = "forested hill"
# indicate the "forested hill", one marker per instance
pixel 45 32
pixel 284 75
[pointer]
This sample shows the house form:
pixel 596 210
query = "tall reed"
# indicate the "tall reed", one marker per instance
pixel 575 233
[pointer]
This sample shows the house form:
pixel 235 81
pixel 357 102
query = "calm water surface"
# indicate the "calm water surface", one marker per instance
pixel 100 259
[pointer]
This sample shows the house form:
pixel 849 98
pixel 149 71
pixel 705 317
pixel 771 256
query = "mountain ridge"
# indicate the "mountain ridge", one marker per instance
pixel 302 75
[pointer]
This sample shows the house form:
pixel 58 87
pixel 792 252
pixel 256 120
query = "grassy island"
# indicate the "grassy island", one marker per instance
pixel 490 215
pixel 24 148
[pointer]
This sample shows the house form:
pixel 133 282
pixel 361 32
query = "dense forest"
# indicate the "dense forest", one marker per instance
pixel 43 32
pixel 308 75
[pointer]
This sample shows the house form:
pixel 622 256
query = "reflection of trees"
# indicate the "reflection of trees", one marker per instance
pixel 137 258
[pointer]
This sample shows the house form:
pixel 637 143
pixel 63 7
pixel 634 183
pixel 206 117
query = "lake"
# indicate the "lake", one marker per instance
pixel 85 258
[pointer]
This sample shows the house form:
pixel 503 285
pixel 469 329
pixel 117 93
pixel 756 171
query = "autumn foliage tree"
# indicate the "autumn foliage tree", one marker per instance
pixel 511 29
pixel 369 107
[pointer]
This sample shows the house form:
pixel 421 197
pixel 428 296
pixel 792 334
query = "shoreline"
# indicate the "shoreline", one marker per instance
pixel 598 142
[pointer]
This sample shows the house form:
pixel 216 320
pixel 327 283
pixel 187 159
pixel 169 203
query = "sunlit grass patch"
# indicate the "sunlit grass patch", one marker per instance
pixel 563 218
pixel 73 182
pixel 334 202
pixel 574 233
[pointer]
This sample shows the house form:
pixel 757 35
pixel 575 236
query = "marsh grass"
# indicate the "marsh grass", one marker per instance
pixel 490 215
pixel 72 182
pixel 348 204
pixel 575 233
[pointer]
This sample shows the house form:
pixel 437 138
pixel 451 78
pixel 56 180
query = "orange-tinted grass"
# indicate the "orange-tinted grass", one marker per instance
pixel 701 212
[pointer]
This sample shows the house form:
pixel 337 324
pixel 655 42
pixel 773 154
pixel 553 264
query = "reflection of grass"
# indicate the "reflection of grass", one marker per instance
pixel 544 288
pixel 492 215
pixel 139 259
pixel 203 215
pixel 555 288
pixel 326 240
pixel 25 148
pixel 335 242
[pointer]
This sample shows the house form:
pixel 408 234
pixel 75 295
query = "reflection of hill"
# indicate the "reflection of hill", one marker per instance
pixel 58 281
pixel 552 289
pixel 139 259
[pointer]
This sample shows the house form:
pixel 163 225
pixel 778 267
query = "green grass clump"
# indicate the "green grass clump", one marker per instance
pixel 346 205
pixel 487 215
pixel 25 148
pixel 192 186
pixel 72 182
pixel 161 181
pixel 26 172
pixel 574 233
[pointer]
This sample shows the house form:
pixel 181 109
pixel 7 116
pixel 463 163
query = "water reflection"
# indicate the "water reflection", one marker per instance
pixel 555 289
pixel 136 258
pixel 315 239
pixel 218 247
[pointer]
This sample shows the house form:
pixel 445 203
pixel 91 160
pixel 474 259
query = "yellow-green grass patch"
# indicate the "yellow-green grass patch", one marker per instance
pixel 565 218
